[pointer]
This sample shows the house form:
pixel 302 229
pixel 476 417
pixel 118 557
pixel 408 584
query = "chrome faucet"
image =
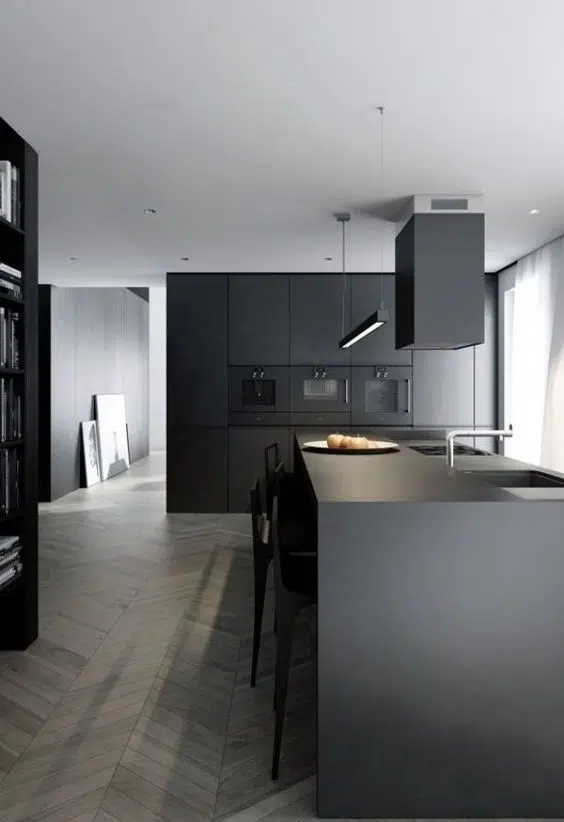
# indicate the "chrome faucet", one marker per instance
pixel 472 432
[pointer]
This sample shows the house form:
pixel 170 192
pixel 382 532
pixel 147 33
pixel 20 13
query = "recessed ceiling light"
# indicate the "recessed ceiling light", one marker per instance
pixel 74 259
pixel 185 259
pixel 149 211
pixel 534 211
pixel 328 259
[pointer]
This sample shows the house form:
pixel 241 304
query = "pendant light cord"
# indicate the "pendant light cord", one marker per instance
pixel 345 284
pixel 381 110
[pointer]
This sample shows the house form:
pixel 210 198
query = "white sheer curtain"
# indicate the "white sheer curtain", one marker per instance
pixel 536 289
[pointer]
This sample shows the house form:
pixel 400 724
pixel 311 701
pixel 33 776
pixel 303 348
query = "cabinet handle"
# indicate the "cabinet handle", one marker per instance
pixel 408 410
pixel 346 390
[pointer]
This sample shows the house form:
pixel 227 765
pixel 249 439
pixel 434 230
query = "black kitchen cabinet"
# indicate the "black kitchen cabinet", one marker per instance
pixel 197 392
pixel 246 460
pixel 316 304
pixel 378 348
pixel 443 388
pixel 196 469
pixel 486 361
pixel 259 331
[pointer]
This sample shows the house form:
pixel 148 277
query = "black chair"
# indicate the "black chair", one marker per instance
pixel 295 540
pixel 295 588
pixel 262 556
pixel 271 462
pixel 296 531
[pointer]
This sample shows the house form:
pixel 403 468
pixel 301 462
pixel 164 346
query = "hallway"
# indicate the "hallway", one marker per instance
pixel 134 704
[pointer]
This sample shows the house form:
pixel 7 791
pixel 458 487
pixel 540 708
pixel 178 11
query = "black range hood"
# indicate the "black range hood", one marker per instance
pixel 440 273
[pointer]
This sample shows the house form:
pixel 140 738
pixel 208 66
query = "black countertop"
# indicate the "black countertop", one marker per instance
pixel 408 476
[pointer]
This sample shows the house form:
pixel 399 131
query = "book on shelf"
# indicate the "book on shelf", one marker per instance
pixel 9 558
pixel 8 574
pixel 9 337
pixel 11 406
pixel 8 543
pixel 10 271
pixel 10 492
pixel 10 200
pixel 10 288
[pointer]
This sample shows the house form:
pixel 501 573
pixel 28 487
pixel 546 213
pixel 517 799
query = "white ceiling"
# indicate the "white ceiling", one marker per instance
pixel 248 123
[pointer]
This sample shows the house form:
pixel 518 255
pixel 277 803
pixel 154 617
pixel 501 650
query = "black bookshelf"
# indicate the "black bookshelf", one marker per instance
pixel 19 250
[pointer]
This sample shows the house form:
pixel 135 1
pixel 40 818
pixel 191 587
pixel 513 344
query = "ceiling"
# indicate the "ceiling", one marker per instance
pixel 246 124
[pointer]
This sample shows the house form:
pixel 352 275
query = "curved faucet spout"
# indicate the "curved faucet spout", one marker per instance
pixel 472 432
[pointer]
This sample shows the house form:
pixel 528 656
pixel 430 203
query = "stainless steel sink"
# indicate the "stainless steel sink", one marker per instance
pixel 519 479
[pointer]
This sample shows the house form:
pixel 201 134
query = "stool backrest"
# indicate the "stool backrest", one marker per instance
pixel 274 540
pixel 271 459
pixel 260 524
pixel 273 487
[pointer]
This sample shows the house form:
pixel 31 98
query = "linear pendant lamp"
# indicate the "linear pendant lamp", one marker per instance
pixel 365 328
pixel 378 318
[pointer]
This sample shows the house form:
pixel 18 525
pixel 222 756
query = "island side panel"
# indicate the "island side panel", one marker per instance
pixel 441 660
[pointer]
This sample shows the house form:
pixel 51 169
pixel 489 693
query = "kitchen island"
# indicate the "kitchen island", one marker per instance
pixel 441 639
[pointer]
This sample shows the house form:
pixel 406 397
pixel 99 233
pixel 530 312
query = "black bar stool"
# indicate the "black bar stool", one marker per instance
pixel 262 556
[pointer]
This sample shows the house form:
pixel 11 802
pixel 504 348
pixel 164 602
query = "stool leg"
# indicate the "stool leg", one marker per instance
pixel 261 571
pixel 283 662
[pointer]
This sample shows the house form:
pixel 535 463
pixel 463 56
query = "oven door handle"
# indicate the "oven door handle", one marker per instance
pixel 408 409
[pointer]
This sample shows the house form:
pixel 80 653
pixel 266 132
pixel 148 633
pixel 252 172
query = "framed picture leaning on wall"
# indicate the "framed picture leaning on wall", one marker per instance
pixel 112 430
pixel 91 452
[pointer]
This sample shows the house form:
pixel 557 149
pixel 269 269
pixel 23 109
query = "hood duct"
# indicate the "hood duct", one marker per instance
pixel 440 278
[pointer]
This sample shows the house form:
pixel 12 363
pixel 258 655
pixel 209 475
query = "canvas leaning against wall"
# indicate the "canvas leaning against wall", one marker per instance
pixel 112 430
pixel 91 452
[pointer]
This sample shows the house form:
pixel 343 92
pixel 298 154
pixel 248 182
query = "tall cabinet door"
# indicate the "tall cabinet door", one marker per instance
pixel 443 388
pixel 196 465
pixel 316 305
pixel 378 348
pixel 259 331
pixel 197 392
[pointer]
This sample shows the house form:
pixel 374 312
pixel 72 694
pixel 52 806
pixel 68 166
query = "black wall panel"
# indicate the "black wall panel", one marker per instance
pixel 197 392
pixel 99 340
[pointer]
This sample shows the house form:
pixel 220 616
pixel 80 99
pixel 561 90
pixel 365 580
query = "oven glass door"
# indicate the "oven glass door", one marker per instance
pixel 382 396
pixel 326 391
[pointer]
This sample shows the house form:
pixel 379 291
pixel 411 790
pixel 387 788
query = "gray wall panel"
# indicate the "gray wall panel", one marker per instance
pixel 99 345
pixel 486 362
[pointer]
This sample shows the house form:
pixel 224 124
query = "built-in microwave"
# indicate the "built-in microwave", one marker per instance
pixel 259 395
pixel 381 395
pixel 320 395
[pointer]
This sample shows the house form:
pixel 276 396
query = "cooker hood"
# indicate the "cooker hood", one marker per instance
pixel 440 277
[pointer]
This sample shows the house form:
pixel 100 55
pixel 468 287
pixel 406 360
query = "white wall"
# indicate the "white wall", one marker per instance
pixel 157 369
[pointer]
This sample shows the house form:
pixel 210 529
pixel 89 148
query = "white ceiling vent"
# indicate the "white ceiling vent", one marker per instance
pixel 449 204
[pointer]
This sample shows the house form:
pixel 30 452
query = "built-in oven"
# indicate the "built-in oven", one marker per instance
pixel 320 395
pixel 259 395
pixel 381 395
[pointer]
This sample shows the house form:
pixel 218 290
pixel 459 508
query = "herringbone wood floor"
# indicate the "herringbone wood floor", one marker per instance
pixel 134 704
